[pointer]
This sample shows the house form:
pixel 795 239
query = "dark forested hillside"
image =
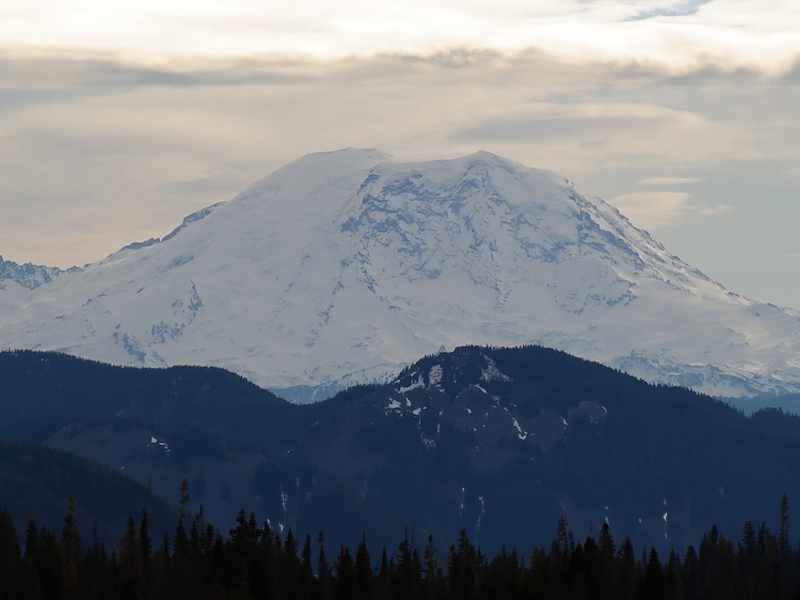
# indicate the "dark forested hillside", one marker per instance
pixel 36 480
pixel 497 442
pixel 42 391
pixel 228 438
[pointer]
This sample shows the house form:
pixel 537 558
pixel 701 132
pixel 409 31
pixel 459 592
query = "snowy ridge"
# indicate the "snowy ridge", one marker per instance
pixel 29 276
pixel 343 267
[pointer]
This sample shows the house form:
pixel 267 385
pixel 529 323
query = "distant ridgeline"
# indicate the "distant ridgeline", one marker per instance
pixel 498 442
pixel 255 561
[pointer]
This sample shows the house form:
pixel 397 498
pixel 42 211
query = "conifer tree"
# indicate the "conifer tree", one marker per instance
pixel 245 537
pixel 182 580
pixel 563 536
pixel 31 538
pixel 50 564
pixel 71 544
pixel 180 544
pixel 363 568
pixel 185 496
pixel 194 540
pixel 345 582
pixel 383 579
pixel 747 546
pixel 673 580
pixel 653 576
pixel 70 538
pixel 265 567
pixel 462 570
pixel 629 571
pixel 539 579
pixel 431 569
pixel 95 537
pixel 307 580
pixel 690 561
pixel 323 570
pixel 145 539
pixel 606 542
pixel 409 570
pixel 784 545
pixel 10 557
pixel 290 566
pixel 130 563
pixel 385 569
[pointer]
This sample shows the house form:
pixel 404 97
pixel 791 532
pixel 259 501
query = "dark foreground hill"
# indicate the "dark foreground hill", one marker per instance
pixel 223 434
pixel 39 481
pixel 499 442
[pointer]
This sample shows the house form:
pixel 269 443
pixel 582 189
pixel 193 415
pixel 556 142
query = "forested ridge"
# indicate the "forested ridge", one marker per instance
pixel 256 561
pixel 499 442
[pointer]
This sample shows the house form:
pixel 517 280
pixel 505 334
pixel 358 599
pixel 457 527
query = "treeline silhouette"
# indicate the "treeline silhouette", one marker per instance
pixel 257 561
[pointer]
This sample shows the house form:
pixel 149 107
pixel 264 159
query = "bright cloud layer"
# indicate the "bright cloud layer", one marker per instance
pixel 678 34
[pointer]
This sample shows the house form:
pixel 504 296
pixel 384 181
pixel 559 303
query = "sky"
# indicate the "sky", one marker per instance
pixel 118 119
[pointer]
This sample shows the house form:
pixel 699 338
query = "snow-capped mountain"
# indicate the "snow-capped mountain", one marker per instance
pixel 343 267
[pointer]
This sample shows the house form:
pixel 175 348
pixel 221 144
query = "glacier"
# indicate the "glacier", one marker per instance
pixel 343 267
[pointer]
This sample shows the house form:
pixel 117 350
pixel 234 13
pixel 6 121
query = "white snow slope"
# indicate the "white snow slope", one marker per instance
pixel 343 267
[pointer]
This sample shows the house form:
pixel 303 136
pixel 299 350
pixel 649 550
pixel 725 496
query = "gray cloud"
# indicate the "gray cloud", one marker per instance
pixel 669 181
pixel 220 185
pixel 96 72
pixel 525 129
pixel 792 77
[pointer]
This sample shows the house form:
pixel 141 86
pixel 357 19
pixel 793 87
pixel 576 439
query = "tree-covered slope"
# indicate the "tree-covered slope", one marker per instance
pixel 499 442
pixel 39 481
pixel 41 391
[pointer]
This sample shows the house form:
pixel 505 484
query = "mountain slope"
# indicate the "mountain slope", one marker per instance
pixel 343 267
pixel 503 441
pixel 500 442
pixel 38 482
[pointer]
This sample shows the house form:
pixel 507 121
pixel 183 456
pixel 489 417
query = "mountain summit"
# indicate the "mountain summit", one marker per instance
pixel 342 267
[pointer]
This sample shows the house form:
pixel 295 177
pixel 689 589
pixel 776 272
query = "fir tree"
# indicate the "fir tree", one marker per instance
pixel 363 568
pixel 345 583
pixel 10 556
pixel 431 569
pixel 784 545
pixel 323 570
pixel 70 538
pixel 653 576
pixel 31 539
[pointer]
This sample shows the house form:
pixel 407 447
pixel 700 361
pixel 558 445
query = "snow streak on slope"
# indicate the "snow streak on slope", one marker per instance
pixel 342 267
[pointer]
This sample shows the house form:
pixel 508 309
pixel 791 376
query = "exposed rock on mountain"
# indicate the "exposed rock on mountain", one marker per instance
pixel 344 267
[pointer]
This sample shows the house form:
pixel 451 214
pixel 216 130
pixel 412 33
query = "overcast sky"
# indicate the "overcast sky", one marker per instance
pixel 118 119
